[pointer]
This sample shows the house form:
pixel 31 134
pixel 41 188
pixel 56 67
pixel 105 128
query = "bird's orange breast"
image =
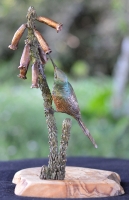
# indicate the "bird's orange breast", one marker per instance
pixel 61 104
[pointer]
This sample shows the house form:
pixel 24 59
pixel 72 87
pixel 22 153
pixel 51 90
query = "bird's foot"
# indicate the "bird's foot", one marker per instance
pixel 49 110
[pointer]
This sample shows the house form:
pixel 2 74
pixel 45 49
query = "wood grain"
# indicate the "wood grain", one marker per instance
pixel 79 183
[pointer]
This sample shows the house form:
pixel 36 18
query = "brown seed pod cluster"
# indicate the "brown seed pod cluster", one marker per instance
pixel 42 42
pixel 24 62
pixel 42 55
pixel 17 36
pixel 43 49
pixel 25 58
pixel 35 74
pixel 50 22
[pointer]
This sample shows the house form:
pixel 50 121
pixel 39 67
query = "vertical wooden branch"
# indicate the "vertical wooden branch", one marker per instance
pixel 50 172
pixel 62 156
pixel 52 130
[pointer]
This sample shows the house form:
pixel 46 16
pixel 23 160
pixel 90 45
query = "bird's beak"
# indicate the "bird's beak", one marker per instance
pixel 52 62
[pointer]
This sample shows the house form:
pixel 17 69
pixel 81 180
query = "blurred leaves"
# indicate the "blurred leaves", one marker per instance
pixel 88 44
pixel 99 105
pixel 117 4
pixel 23 129
pixel 92 30
pixel 80 69
pixel 20 129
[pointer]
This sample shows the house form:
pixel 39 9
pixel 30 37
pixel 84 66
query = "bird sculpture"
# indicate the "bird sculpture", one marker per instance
pixel 65 99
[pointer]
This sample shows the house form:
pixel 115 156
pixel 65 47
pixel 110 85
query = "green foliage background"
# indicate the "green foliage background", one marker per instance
pixel 23 132
pixel 23 129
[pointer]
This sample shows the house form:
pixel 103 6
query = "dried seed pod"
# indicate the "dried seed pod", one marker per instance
pixel 42 55
pixel 23 72
pixel 42 42
pixel 17 36
pixel 50 22
pixel 35 73
pixel 25 58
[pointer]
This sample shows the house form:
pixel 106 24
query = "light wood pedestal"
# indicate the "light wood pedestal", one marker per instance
pixel 79 183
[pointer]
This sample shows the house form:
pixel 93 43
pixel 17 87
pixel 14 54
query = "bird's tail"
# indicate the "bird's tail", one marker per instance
pixel 87 133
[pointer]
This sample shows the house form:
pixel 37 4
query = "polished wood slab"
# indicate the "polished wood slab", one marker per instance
pixel 79 183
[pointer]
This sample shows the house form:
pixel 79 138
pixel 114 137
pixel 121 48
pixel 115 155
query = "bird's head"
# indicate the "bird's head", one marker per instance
pixel 59 75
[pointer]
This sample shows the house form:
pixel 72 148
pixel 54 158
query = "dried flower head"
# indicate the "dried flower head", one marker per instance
pixel 42 55
pixel 42 42
pixel 17 36
pixel 23 72
pixel 50 22
pixel 35 73
pixel 25 58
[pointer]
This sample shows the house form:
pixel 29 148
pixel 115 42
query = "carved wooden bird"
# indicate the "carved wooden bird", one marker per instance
pixel 65 99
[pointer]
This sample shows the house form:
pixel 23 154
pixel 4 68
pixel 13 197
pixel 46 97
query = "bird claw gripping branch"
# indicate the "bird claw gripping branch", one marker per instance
pixel 35 51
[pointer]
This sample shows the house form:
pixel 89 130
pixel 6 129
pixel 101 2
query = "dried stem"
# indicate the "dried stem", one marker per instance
pixel 51 125
pixel 66 126
pixel 46 94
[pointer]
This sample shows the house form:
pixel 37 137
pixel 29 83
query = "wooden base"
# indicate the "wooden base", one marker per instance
pixel 79 183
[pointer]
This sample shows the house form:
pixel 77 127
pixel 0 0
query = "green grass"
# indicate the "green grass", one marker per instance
pixel 23 132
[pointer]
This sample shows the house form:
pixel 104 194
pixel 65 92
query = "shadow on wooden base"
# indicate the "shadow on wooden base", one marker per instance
pixel 79 183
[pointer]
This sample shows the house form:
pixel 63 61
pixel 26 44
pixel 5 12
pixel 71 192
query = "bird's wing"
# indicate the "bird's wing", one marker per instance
pixel 72 99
